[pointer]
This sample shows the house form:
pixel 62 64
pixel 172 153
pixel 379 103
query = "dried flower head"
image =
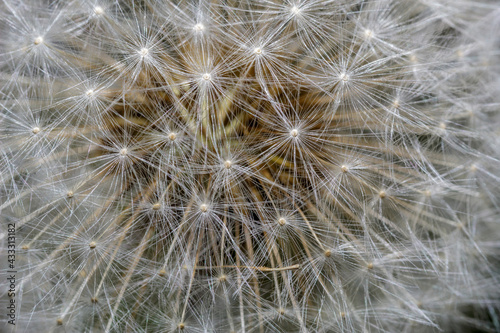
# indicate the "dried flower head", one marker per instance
pixel 251 166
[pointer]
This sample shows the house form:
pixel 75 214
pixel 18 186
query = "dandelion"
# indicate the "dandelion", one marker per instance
pixel 251 166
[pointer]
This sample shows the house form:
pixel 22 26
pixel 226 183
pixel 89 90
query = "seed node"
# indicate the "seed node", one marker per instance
pixel 98 10
pixel 38 40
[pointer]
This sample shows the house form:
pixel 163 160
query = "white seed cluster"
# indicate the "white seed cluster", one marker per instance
pixel 251 166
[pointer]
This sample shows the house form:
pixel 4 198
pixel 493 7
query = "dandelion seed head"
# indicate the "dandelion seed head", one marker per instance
pixel 304 166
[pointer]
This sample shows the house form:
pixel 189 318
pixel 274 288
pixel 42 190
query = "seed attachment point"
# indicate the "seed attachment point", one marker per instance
pixel 35 130
pixel 203 208
pixel 144 52
pixel 38 40
pixel 98 10
pixel 295 10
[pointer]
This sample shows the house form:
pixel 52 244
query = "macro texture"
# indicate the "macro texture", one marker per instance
pixel 250 165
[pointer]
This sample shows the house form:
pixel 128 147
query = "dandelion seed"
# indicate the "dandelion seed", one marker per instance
pixel 382 194
pixel 368 34
pixel 207 77
pixel 98 10
pixel 35 130
pixel 281 221
pixel 228 164
pixel 295 10
pixel 257 51
pixel 344 168
pixel 144 52
pixel 38 40
pixel 123 151
pixel 92 245
pixel 156 206
pixel 59 322
pixel 70 194
pixel 198 27
pixel 203 208
pixel 344 77
pixel 181 326
pixel 294 133
pixel 90 92
pixel 172 136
